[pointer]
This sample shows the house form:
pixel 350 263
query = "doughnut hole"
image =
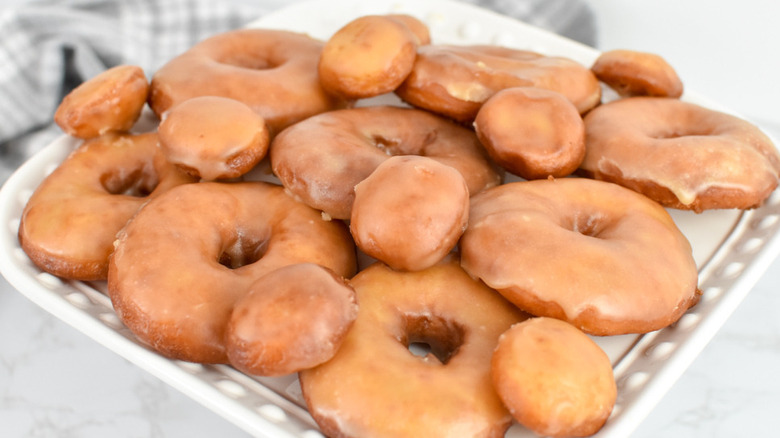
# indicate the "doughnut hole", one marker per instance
pixel 291 319
pixel 531 132
pixel 369 56
pixel 137 183
pixel 633 73
pixel 110 101
pixel 431 337
pixel 241 252
pixel 410 212
pixel 553 378
pixel 213 137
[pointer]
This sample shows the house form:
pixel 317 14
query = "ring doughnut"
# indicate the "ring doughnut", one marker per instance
pixel 186 259
pixel 110 101
pixel 532 132
pixel 456 80
pixel 553 378
pixel 694 158
pixel 272 71
pixel 619 263
pixel 351 143
pixel 213 137
pixel 375 373
pixel 69 224
pixel 369 56
pixel 632 73
pixel 410 212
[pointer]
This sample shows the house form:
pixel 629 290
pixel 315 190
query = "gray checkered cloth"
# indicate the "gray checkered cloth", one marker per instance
pixel 48 47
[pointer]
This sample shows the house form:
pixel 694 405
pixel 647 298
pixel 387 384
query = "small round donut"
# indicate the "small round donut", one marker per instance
pixel 633 73
pixel 69 224
pixel 692 158
pixel 553 378
pixel 604 258
pixel 272 71
pixel 410 212
pixel 369 56
pixel 291 319
pixel 189 256
pixel 351 143
pixel 110 101
pixel 212 137
pixel 456 80
pixel 532 132
pixel 376 386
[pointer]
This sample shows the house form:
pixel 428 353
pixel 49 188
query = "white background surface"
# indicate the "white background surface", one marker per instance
pixel 55 381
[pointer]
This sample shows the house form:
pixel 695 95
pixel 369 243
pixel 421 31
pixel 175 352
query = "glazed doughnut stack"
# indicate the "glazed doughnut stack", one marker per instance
pixel 498 219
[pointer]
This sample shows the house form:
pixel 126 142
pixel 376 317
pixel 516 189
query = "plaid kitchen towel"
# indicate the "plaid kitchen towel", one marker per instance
pixel 49 46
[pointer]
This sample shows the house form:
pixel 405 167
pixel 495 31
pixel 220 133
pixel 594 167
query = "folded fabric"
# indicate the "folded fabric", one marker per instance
pixel 48 47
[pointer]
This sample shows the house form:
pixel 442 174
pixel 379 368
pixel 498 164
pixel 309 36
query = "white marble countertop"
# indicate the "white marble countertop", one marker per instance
pixel 55 381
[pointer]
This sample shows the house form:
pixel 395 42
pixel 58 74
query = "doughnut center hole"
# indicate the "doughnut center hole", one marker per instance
pixel 136 183
pixel 384 144
pixel 242 252
pixel 249 61
pixel 432 337
pixel 694 130
pixel 588 225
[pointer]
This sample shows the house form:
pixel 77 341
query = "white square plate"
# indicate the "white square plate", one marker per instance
pixel 732 249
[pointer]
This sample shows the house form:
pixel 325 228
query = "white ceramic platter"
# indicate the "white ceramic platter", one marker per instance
pixel 732 249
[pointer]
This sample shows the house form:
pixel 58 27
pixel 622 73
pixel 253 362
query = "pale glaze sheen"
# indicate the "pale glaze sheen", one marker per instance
pixel 410 212
pixel 69 224
pixel 213 137
pixel 456 80
pixel 680 154
pixel 600 256
pixel 375 386
pixel 323 158
pixel 291 319
pixel 186 259
pixel 272 71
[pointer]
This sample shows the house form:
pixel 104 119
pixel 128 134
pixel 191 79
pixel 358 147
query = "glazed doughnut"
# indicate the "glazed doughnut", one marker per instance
pixel 69 224
pixel 272 71
pixel 553 378
pixel 410 212
pixel 369 56
pixel 110 101
pixel 632 73
pixel 456 80
pixel 375 386
pixel 291 319
pixel 532 132
pixel 604 258
pixel 189 256
pixel 351 143
pixel 213 137
pixel 694 158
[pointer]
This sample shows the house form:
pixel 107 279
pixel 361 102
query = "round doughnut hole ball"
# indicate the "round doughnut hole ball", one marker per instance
pixel 553 378
pixel 213 137
pixel 369 56
pixel 410 212
pixel 111 101
pixel 531 132
pixel 293 318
